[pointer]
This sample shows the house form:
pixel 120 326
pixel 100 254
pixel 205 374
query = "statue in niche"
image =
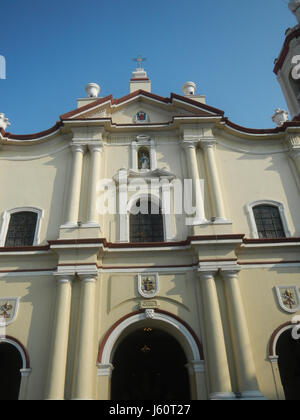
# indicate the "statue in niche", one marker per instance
pixel 144 158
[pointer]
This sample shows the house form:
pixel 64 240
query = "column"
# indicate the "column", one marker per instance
pixel 295 155
pixel 193 173
pixel 75 186
pixel 293 143
pixel 134 165
pixel 166 210
pixel 244 362
pixel 85 373
pixel 220 383
pixel 153 161
pixel 213 180
pixel 95 150
pixel 58 357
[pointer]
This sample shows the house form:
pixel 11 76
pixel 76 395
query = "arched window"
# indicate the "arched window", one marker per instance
pixel 20 228
pixel 144 158
pixel 146 227
pixel 268 221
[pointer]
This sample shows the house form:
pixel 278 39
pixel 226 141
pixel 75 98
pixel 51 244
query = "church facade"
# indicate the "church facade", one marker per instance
pixel 150 250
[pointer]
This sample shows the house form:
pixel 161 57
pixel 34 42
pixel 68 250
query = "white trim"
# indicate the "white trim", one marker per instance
pixel 278 265
pixel 281 208
pixel 6 220
pixel 169 270
pixel 25 158
pixel 18 347
pixel 178 330
pixel 26 273
pixel 13 141
pixel 16 253
pixel 276 338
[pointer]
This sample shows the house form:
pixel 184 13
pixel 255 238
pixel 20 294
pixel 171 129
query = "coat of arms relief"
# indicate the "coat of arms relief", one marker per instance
pixel 288 298
pixel 8 310
pixel 148 285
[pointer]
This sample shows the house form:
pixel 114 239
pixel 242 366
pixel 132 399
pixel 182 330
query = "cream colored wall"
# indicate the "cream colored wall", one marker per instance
pixel 247 177
pixel 178 294
pixel 38 182
pixel 33 325
pixel 264 315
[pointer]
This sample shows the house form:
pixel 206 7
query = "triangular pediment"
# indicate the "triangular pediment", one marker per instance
pixel 142 107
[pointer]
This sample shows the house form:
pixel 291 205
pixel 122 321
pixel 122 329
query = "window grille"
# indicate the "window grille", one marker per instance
pixel 146 227
pixel 268 222
pixel 21 229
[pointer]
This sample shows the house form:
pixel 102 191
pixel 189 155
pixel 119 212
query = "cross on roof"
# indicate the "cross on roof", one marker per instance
pixel 139 60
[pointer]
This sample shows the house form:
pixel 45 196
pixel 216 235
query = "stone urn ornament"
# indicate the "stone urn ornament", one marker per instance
pixel 3 121
pixel 92 90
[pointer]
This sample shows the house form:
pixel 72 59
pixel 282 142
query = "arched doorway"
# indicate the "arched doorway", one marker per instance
pixel 149 364
pixel 11 363
pixel 288 351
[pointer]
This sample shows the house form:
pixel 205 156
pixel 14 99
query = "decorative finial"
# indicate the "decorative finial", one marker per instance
pixel 280 117
pixel 294 6
pixel 139 59
pixel 92 90
pixel 3 121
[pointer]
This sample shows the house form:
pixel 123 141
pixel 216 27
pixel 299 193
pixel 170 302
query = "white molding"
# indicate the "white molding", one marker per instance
pixel 278 265
pixel 19 348
pixel 154 270
pixel 6 220
pixel 105 369
pixel 275 341
pixel 281 208
pixel 26 274
pixel 25 158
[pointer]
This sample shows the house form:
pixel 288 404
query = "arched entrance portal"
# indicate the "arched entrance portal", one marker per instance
pixel 288 350
pixel 178 347
pixel 149 364
pixel 10 377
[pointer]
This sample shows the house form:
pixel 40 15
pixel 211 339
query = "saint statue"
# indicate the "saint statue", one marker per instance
pixel 144 161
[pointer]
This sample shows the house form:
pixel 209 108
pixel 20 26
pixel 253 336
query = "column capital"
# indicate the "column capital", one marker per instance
pixel 206 275
pixel 293 142
pixel 190 143
pixel 95 147
pixel 88 277
pixel 63 279
pixel 78 147
pixel 229 273
pixel 207 143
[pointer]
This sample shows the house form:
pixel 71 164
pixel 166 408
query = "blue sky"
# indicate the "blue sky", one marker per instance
pixel 53 48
